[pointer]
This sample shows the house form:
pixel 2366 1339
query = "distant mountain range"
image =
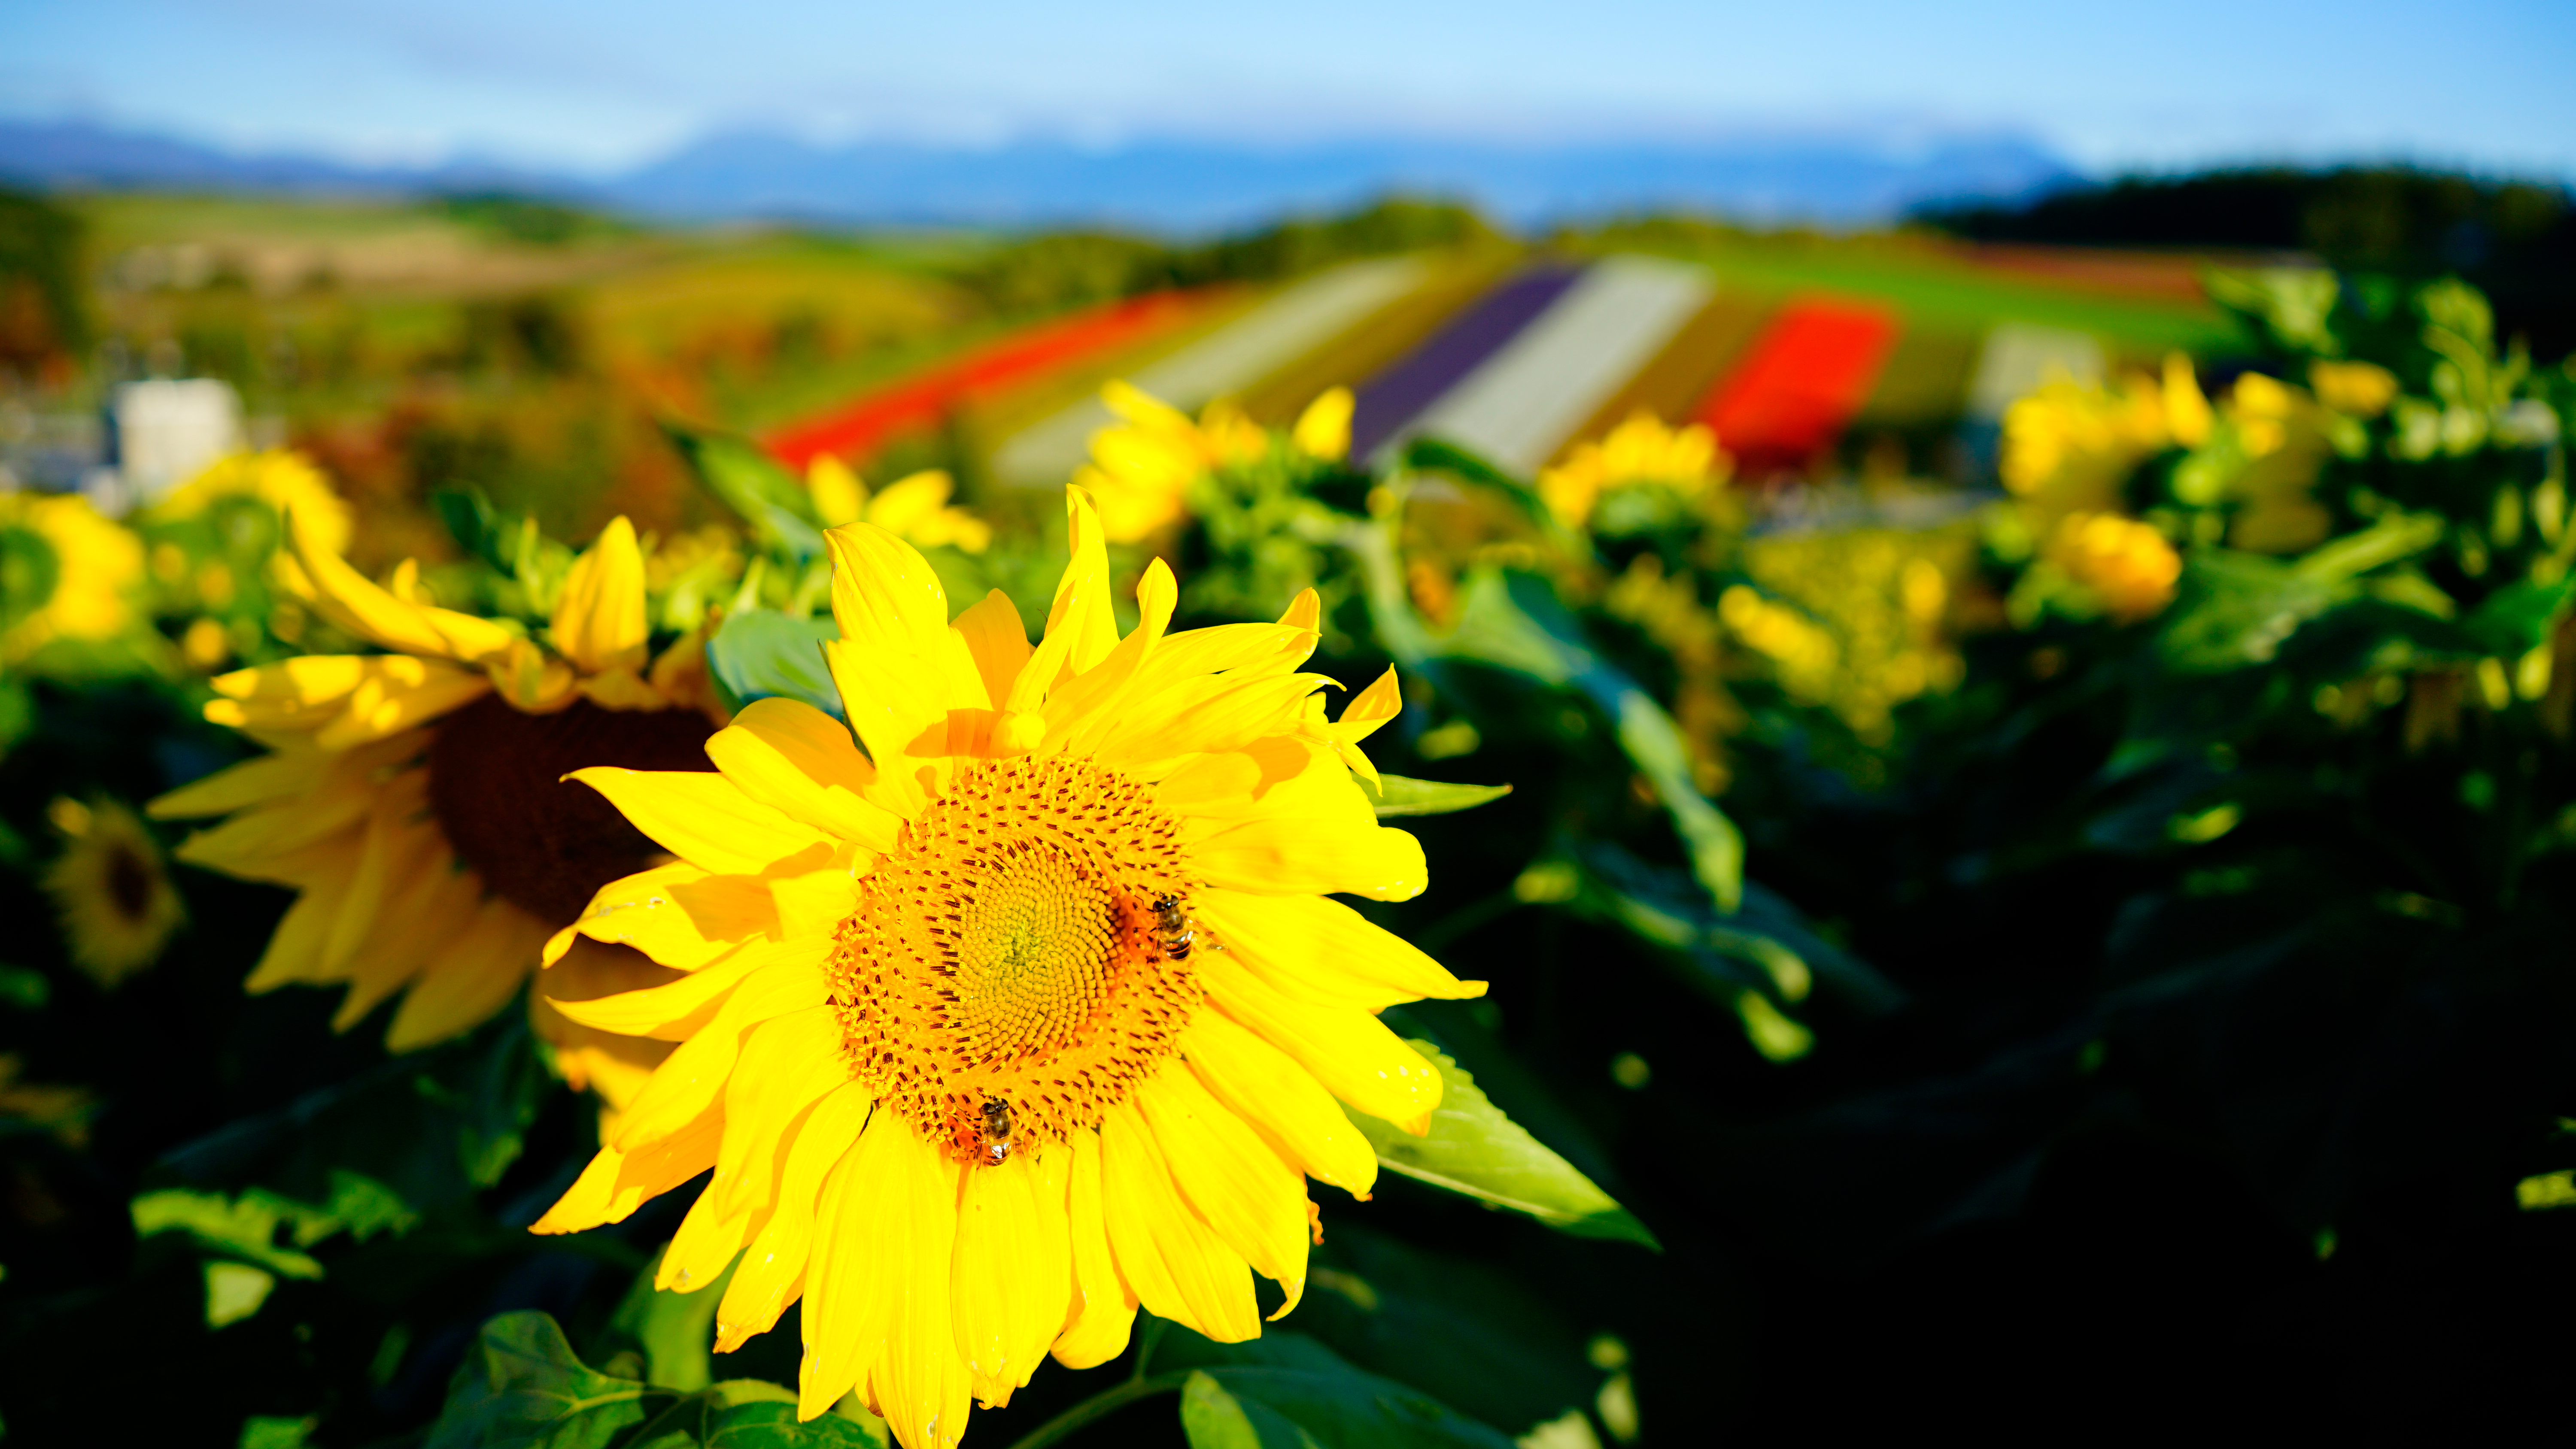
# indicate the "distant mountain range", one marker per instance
pixel 1158 184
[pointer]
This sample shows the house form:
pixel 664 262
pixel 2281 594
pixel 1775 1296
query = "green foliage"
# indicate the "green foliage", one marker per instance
pixel 522 1385
pixel 1472 1148
pixel 40 284
pixel 764 654
pixel 755 486
pixel 1399 795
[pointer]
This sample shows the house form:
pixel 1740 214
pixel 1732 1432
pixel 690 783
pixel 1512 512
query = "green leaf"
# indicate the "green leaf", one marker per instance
pixel 1345 1408
pixel 1399 795
pixel 771 1424
pixel 1284 1390
pixel 1768 945
pixel 674 1331
pixel 246 1229
pixel 1474 1149
pixel 1515 622
pixel 2235 610
pixel 764 654
pixel 477 526
pixel 1215 1419
pixel 2516 619
pixel 521 1385
pixel 754 485
pixel 1504 1355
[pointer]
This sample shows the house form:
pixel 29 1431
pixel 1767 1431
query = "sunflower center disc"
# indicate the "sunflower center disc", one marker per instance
pixel 547 844
pixel 1006 951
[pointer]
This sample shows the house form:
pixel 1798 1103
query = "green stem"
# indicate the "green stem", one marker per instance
pixel 1099 1406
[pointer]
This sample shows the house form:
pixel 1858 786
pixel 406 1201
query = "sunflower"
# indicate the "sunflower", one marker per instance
pixel 65 573
pixel 284 480
pixel 1641 450
pixel 2126 564
pixel 914 508
pixel 413 798
pixel 1141 468
pixel 111 890
pixel 1023 1009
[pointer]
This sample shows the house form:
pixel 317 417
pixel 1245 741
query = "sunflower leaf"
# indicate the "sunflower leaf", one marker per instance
pixel 522 1384
pixel 764 654
pixel 754 485
pixel 1286 1391
pixel 1472 1148
pixel 1399 795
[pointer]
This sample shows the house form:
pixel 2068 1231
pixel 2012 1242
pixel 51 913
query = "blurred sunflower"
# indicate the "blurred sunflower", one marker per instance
pixel 65 573
pixel 2128 565
pixel 964 1086
pixel 913 508
pixel 2069 446
pixel 111 890
pixel 1643 450
pixel 414 798
pixel 285 480
pixel 1141 470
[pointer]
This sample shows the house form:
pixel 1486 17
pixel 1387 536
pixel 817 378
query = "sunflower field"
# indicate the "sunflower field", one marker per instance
pixel 1335 930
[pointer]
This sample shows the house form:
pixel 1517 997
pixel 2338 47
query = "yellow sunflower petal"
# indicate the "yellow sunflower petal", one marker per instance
pixel 350 600
pixel 398 849
pixel 887 1221
pixel 771 1274
pixel 1324 950
pixel 397 694
pixel 672 1012
pixel 1227 715
pixel 1348 1050
pixel 706 1240
pixel 305 690
pixel 800 761
pixel 919 1385
pixel 1104 1307
pixel 599 622
pixel 1179 1267
pixel 892 701
pixel 786 1063
pixel 1283 1099
pixel 1088 704
pixel 885 595
pixel 279 776
pixel 401 913
pixel 705 819
pixel 1240 1187
pixel 1324 429
pixel 295 949
pixel 471 978
pixel 617 1183
pixel 1242 650
pixel 678 914
pixel 1014 1264
pixel 1312 834
pixel 693 1079
pixel 998 641
pixel 1081 616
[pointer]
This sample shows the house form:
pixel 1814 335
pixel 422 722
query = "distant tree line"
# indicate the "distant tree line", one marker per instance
pixel 42 319
pixel 1061 269
pixel 2514 239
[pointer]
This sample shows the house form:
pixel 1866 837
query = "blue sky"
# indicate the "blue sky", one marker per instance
pixel 599 84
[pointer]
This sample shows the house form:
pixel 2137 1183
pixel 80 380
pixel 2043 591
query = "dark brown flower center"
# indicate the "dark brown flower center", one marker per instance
pixel 547 844
pixel 130 883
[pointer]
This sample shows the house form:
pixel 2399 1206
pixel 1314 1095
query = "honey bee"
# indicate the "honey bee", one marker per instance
pixel 1172 929
pixel 997 1132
